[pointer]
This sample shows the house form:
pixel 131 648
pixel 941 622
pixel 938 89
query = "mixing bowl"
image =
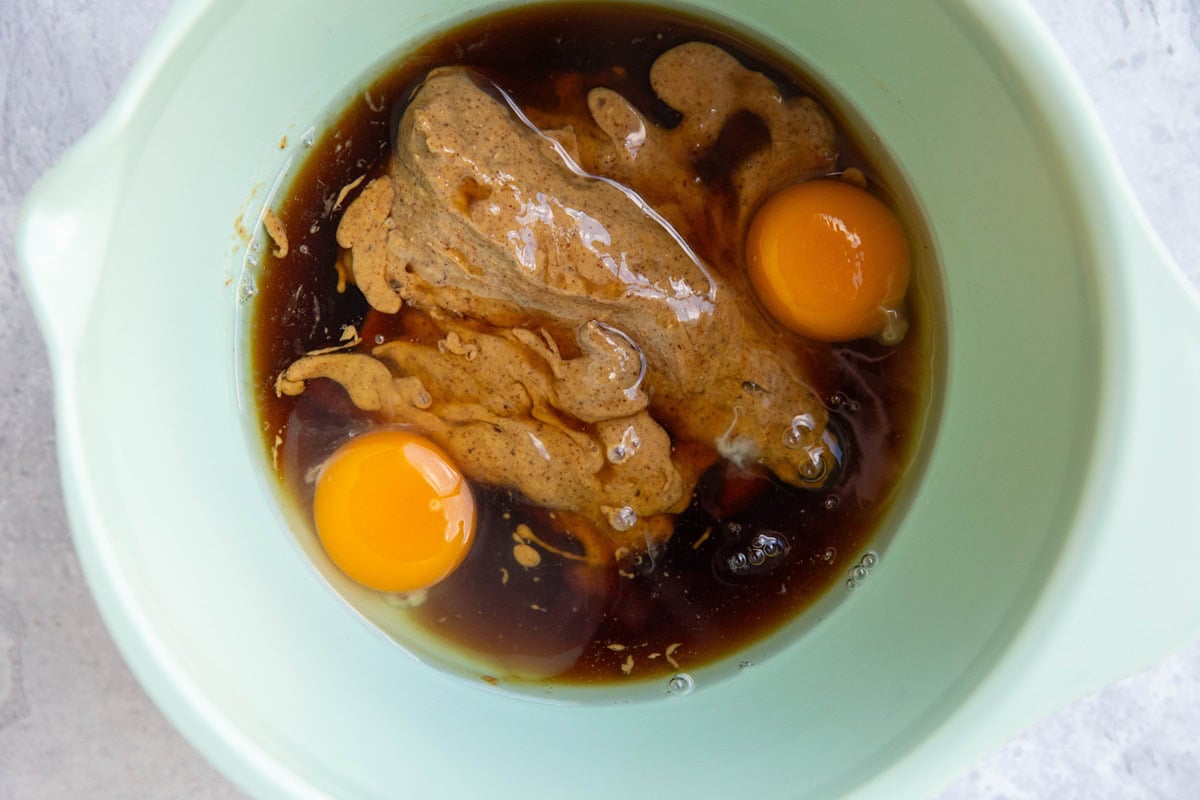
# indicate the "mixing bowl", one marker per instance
pixel 1048 544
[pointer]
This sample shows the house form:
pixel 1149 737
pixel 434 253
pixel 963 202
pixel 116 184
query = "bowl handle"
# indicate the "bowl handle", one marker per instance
pixel 62 237
pixel 1127 593
pixel 1124 593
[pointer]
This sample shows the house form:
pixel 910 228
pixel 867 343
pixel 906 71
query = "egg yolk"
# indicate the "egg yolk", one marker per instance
pixel 828 260
pixel 393 512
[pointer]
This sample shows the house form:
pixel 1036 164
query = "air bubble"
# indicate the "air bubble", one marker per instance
pixel 814 468
pixel 621 519
pixel 620 451
pixel 870 560
pixel 246 289
pixel 309 137
pixel 830 554
pixel 303 249
pixel 795 435
pixel 379 338
pixel 860 573
pixel 738 562
pixel 252 259
pixel 757 557
pixel 852 584
pixel 772 549
pixel 680 684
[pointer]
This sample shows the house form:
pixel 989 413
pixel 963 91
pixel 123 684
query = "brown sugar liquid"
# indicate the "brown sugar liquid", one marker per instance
pixel 749 553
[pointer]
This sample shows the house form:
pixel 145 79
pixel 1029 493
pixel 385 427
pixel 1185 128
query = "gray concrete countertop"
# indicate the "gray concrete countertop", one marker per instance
pixel 73 721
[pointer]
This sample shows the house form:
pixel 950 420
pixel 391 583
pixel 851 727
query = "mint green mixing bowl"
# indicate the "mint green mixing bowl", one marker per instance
pixel 1049 545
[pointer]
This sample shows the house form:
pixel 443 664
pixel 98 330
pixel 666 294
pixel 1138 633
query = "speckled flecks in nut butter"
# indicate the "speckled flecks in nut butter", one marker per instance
pixel 483 220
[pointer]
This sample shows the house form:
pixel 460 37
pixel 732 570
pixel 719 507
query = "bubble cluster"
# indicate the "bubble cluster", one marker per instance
pixel 247 288
pixel 859 572
pixel 765 545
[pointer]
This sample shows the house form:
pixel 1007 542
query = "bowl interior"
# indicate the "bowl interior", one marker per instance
pixel 388 613
pixel 194 539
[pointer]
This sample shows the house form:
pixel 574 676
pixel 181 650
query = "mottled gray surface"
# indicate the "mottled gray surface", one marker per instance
pixel 74 723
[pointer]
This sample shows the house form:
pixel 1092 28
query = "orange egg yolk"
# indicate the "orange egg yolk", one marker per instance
pixel 828 260
pixel 393 512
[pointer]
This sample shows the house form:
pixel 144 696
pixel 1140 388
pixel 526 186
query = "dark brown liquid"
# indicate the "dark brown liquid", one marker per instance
pixel 684 605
